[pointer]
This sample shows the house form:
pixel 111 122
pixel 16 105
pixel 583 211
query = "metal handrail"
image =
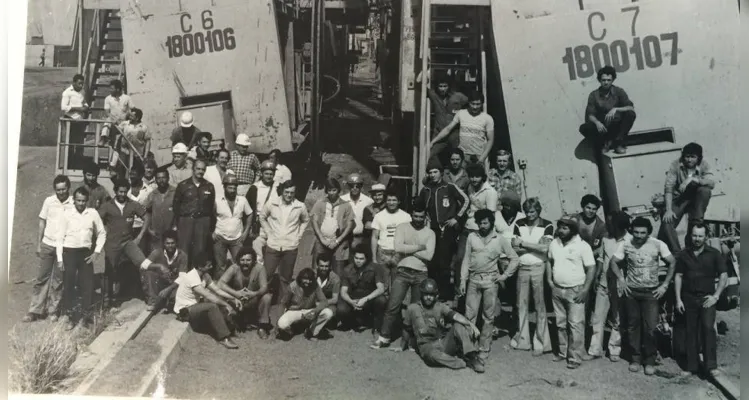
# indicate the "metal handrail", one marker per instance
pixel 87 59
pixel 102 121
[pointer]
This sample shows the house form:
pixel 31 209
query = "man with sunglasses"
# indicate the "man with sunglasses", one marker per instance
pixel 359 202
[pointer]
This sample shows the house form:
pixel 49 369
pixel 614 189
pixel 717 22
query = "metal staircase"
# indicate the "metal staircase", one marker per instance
pixel 456 46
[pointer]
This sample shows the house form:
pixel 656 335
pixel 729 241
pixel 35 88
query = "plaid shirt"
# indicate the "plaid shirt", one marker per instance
pixel 507 181
pixel 245 167
pixel 677 174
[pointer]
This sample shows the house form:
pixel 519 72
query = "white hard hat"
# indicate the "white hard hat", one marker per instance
pixel 243 139
pixel 186 120
pixel 179 148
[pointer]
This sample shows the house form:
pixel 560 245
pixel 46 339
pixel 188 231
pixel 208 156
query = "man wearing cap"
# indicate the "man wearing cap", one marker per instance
pixel 244 164
pixel 162 215
pixel 447 206
pixel 231 230
pixel 98 194
pixel 216 173
pixel 259 194
pixel 186 132
pixel 180 169
pixel 194 216
pixel 570 272
pixel 359 202
pixel 377 192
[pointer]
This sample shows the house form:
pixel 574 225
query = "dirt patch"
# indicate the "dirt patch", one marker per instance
pixel 40 110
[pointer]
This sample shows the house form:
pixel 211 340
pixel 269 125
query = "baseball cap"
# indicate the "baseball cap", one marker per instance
pixel 377 187
pixel 179 148
pixel 243 139
pixel 186 119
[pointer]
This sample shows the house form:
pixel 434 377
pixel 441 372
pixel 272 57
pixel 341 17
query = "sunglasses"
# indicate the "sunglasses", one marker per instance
pixel 359 185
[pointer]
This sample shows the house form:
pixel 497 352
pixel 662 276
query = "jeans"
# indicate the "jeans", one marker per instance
pixel 281 262
pixel 220 247
pixel 700 333
pixel 617 130
pixel 482 290
pixel 405 279
pixel 388 259
pixel 642 319
pixel 153 283
pixel 457 261
pixel 572 340
pixel 531 278
pixel 208 317
pixel 292 317
pixel 47 292
pixel 194 237
pixel 81 274
pixel 606 312
pixel 374 309
pixel 692 202
pixel 441 266
pixel 445 352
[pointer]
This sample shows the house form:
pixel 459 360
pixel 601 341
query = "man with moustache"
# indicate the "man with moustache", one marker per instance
pixel 181 168
pixel 216 173
pixel 377 192
pixel 332 222
pixel 244 164
pixel 383 234
pixel 304 304
pixel 97 194
pixel 358 201
pixel 503 178
pixel 162 216
pixel 247 281
pixel 194 212
pixel 455 172
pixel 231 229
pixel 141 192
pixel 157 283
pixel 363 287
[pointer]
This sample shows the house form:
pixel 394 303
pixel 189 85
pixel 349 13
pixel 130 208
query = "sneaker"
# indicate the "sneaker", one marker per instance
pixel 475 363
pixel 573 365
pixel 686 374
pixel 614 358
pixel 229 344
pixel 650 370
pixel 590 357
pixel 30 317
pixel 634 367
pixel 262 333
pixel 380 343
pixel 558 358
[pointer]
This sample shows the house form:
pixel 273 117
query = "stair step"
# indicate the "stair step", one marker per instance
pixel 445 65
pixel 107 73
pixel 113 39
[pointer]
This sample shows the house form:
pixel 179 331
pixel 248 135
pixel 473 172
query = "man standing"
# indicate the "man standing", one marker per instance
pixel 80 228
pixel 610 113
pixel 283 173
pixel 592 228
pixel 447 205
pixel 201 150
pixel 162 216
pixel 689 185
pixel 149 173
pixel 180 169
pixel 641 289
pixel 117 106
pixel 186 132
pixel 415 245
pixel 697 267
pixel 454 349
pixel 304 303
pixel 455 173
pixel 476 130
pixel 383 234
pixel 136 132
pixel 259 194
pixel 445 103
pixel 97 194
pixel 358 202
pixel 503 178
pixel 284 220
pixel 363 286
pixel 607 299
pixel 479 274
pixel 332 223
pixel 74 106
pixel 140 193
pixel 244 164
pixel 570 273
pixel 47 292
pixel 246 281
pixel 216 173
pixel 377 191
pixel 194 216
pixel 156 282
pixel 231 229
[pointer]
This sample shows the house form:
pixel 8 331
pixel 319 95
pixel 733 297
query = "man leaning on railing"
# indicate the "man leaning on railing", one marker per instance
pixel 74 106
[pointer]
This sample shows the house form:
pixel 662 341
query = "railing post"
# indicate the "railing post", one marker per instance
pixel 67 148
pixel 59 136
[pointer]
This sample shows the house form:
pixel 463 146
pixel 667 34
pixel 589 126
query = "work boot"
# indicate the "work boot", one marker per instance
pixel 30 317
pixel 649 370
pixel 380 343
pixel 589 357
pixel 228 343
pixel 262 333
pixel 475 363
pixel 634 367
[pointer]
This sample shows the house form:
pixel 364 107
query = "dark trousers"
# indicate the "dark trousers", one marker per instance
pixel 281 262
pixel 121 271
pixel 642 319
pixel 81 274
pixel 77 137
pixel 153 283
pixel 194 237
pixel 616 131
pixel 255 310
pixel 440 268
pixel 405 279
pixel 446 352
pixel 692 202
pixel 373 311
pixel 699 333
pixel 220 247
pixel 208 318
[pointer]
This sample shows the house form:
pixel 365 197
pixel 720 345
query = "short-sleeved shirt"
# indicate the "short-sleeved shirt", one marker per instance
pixel 118 108
pixel 176 263
pixel 363 281
pixel 144 198
pixel 119 224
pixel 229 223
pixel 642 263
pixel 52 212
pixel 254 281
pixel 600 104
pixel 137 134
pixel 177 175
pixel 371 211
pixel 700 271
pixel 331 286
pixel 533 234
pixel 428 325
pixel 246 167
pixel 186 295
pixel 678 173
pixel 608 248
pixel 358 207
pixel 570 261
pixel 385 222
pixel 483 198
pixel 296 296
pixel 343 213
pixel 473 131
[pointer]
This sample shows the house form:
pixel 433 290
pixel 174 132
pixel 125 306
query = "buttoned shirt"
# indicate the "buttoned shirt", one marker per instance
pixel 331 286
pixel 483 198
pixel 363 281
pixel 216 177
pixel 428 324
pixel 72 98
pixel 244 166
pixel 359 205
pixel 599 104
pixel 286 223
pixel 161 210
pixel 97 195
pixel 699 271
pixel 483 252
pixel 177 175
pixel 79 229
pixel 53 213
pixel 137 135
pixel 176 263
pixel 194 200
pixel 571 259
pixel 229 224
pixel 507 180
pixel 143 198
pixel 678 173
pixel 119 222
pixel 118 108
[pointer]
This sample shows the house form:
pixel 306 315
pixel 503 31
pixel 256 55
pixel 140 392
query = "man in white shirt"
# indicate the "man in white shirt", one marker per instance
pixel 47 291
pixel 383 233
pixel 359 201
pixel 141 193
pixel 80 228
pixel 570 273
pixel 74 106
pixel 216 173
pixel 283 173
pixel 258 195
pixel 231 230
pixel 117 106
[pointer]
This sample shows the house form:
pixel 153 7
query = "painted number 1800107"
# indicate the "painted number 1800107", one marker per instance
pixel 190 43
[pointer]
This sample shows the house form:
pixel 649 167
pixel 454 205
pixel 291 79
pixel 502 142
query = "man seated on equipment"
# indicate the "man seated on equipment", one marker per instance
pixel 610 113
pixel 247 282
pixel 304 304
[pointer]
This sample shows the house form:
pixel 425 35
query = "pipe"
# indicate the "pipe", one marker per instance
pixel 317 17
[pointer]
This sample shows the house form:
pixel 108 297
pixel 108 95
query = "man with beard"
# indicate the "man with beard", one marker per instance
pixel 97 194
pixel 455 348
pixel 476 130
pixel 415 245
pixel 244 164
pixel 304 304
pixel 186 132
pixel 455 173
pixel 447 206
pixel 383 234
pixel 158 285
pixel 358 202
pixel 610 113
pixel 689 185
pixel 231 229
pixel 216 173
pixel 141 193
pixel 697 267
pixel 377 192
pixel 592 228
pixel 332 223
pixel 570 272
pixel 363 286
pixel 194 212
pixel 503 178
pixel 180 169
pixel 162 200
pixel 246 281
pixel 479 273
pixel 641 290
pixel 445 103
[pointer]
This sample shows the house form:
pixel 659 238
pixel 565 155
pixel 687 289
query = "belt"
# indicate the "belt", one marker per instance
pixel 194 215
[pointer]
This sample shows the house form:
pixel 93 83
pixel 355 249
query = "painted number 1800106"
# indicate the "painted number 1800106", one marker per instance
pixel 190 43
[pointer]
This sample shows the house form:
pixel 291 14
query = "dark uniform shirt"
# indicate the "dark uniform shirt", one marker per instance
pixel 97 196
pixel 362 281
pixel 162 214
pixel 428 325
pixel 191 200
pixel 331 286
pixel 178 261
pixel 600 104
pixel 119 224
pixel 700 271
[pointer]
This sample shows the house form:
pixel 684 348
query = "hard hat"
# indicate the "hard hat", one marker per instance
pixel 428 286
pixel 267 164
pixel 230 179
pixel 179 148
pixel 354 178
pixel 377 187
pixel 243 139
pixel 186 120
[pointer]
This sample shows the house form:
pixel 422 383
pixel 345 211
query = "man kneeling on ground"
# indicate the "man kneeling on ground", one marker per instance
pixel 362 292
pixel 247 282
pixel 304 303
pixel 437 345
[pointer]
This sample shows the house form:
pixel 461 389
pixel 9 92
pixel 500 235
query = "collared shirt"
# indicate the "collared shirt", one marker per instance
pixel 406 234
pixel 699 271
pixel 482 254
pixel 229 224
pixel 119 223
pixel 137 135
pixel 385 223
pixel 340 212
pixel 608 248
pixel 150 182
pixel 428 324
pixel 474 131
pixel 600 104
pixel 79 229
pixel 53 213
pixel 296 296
pixel 161 210
pixel 445 108
pixel 459 179
pixel 678 173
pixel 187 136
pixel 144 198
pixel 176 263
pixel 330 286
pixel 186 295
pixel 570 261
pixel 507 180
pixel 191 200
pixel 358 206
pixel 97 195
pixel 283 174
pixel 72 98
pixel 642 262
pixel 246 167
pixel 118 108
pixel 483 198
pixel 214 175
pixel 363 281
pixel 177 175
pixel 286 223
pixel 544 230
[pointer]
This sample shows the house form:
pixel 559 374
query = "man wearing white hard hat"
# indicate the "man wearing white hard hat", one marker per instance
pixel 359 201
pixel 180 168
pixel 244 164
pixel 186 132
